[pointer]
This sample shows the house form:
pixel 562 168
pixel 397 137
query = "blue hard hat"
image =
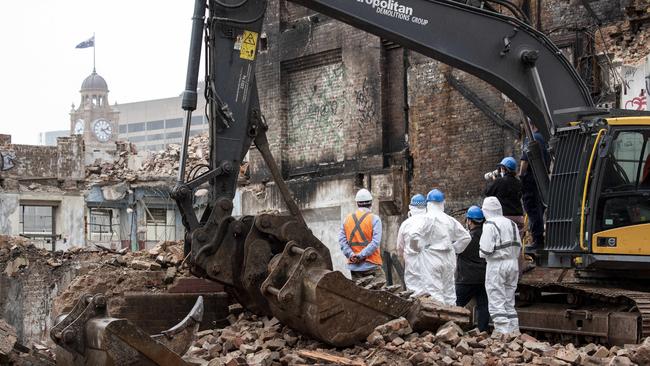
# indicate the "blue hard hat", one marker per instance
pixel 435 196
pixel 418 200
pixel 475 213
pixel 509 163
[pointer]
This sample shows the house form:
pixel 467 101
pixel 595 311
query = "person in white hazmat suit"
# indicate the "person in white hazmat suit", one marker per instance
pixel 500 245
pixel 431 241
pixel 412 240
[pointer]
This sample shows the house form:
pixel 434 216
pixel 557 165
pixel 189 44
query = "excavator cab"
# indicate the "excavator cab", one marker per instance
pixel 621 193
pixel 599 196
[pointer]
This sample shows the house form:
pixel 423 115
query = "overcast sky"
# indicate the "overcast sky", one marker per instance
pixel 141 51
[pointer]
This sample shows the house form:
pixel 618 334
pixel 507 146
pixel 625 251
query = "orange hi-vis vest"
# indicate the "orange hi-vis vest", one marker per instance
pixel 358 231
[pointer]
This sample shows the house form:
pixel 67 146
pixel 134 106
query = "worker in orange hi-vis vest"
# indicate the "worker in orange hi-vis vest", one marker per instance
pixel 359 239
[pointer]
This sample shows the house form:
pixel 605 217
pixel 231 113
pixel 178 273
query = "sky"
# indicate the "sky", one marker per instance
pixel 141 51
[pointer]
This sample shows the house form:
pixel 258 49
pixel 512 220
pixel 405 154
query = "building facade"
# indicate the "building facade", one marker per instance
pixel 49 138
pixel 40 196
pixel 153 124
pixel 348 110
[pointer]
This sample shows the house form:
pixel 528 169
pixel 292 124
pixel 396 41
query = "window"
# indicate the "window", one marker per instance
pixel 155 125
pixel 154 147
pixel 36 219
pixel 174 135
pixel 100 224
pixel 160 224
pixel 626 161
pixel 122 129
pixel 37 223
pixel 626 178
pixel 174 123
pixel 197 120
pixel 158 136
pixel 137 138
pixel 136 127
pixel 625 210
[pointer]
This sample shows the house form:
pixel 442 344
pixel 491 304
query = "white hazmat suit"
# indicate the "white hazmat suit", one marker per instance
pixel 500 245
pixel 429 242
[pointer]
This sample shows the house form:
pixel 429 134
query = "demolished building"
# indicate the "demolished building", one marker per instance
pixel 40 195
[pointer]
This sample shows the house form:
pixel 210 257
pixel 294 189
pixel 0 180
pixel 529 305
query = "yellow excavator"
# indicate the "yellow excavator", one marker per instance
pixel 591 277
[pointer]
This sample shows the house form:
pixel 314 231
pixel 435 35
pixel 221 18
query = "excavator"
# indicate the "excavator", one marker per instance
pixel 590 279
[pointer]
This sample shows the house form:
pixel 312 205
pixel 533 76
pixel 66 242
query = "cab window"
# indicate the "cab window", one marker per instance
pixel 626 162
pixel 625 190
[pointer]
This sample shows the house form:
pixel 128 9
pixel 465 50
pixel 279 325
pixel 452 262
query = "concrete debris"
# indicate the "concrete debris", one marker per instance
pixel 7 340
pixel 153 270
pixel 164 163
pixel 253 340
pixel 629 39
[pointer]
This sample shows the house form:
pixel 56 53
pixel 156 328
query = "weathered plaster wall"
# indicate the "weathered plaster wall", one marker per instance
pixel 69 215
pixel 26 298
pixel 9 203
pixel 325 203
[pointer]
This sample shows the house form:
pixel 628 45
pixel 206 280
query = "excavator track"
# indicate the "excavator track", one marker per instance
pixel 609 312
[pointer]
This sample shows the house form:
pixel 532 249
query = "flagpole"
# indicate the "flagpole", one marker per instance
pixel 94 52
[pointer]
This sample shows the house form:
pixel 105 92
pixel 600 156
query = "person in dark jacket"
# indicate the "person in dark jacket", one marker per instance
pixel 531 198
pixel 507 188
pixel 470 270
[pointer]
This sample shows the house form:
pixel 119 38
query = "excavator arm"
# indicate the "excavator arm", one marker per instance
pixel 273 264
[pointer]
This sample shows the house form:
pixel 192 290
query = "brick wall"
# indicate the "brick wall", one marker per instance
pixel 317 83
pixel 452 143
pixel 63 162
pixel 26 298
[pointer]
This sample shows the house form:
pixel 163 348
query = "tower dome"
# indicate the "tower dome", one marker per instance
pixel 94 82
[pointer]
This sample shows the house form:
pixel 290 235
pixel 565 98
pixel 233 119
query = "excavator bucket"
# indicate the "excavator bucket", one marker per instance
pixel 279 268
pixel 88 336
pixel 305 295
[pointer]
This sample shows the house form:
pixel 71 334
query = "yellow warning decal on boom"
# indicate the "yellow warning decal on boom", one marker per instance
pixel 248 46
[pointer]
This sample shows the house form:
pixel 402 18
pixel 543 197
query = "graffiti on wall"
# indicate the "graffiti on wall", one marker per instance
pixel 365 104
pixel 317 109
pixel 328 108
pixel 634 94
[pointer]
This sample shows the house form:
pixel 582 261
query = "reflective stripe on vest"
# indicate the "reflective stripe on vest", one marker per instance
pixel 358 232
pixel 357 229
pixel 502 245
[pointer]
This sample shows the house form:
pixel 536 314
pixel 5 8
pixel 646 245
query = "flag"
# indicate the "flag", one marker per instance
pixel 90 42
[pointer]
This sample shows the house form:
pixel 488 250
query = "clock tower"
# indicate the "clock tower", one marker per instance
pixel 95 120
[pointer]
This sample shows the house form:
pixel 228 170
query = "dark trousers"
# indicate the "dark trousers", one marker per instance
pixel 535 210
pixel 465 292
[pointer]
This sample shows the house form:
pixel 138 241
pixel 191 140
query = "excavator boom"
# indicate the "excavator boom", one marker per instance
pixel 273 264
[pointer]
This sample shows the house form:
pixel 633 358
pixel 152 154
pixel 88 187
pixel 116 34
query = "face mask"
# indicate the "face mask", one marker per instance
pixel 502 174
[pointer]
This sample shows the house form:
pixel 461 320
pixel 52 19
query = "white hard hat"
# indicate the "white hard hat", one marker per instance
pixel 363 195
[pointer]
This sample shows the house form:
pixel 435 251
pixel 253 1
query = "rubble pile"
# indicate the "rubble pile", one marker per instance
pixel 252 340
pixel 17 254
pixel 163 163
pixel 7 340
pixel 117 170
pixel 13 352
pixel 118 272
pixel 166 162
pixel 629 40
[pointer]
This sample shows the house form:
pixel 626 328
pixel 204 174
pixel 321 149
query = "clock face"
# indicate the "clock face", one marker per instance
pixel 102 130
pixel 79 127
